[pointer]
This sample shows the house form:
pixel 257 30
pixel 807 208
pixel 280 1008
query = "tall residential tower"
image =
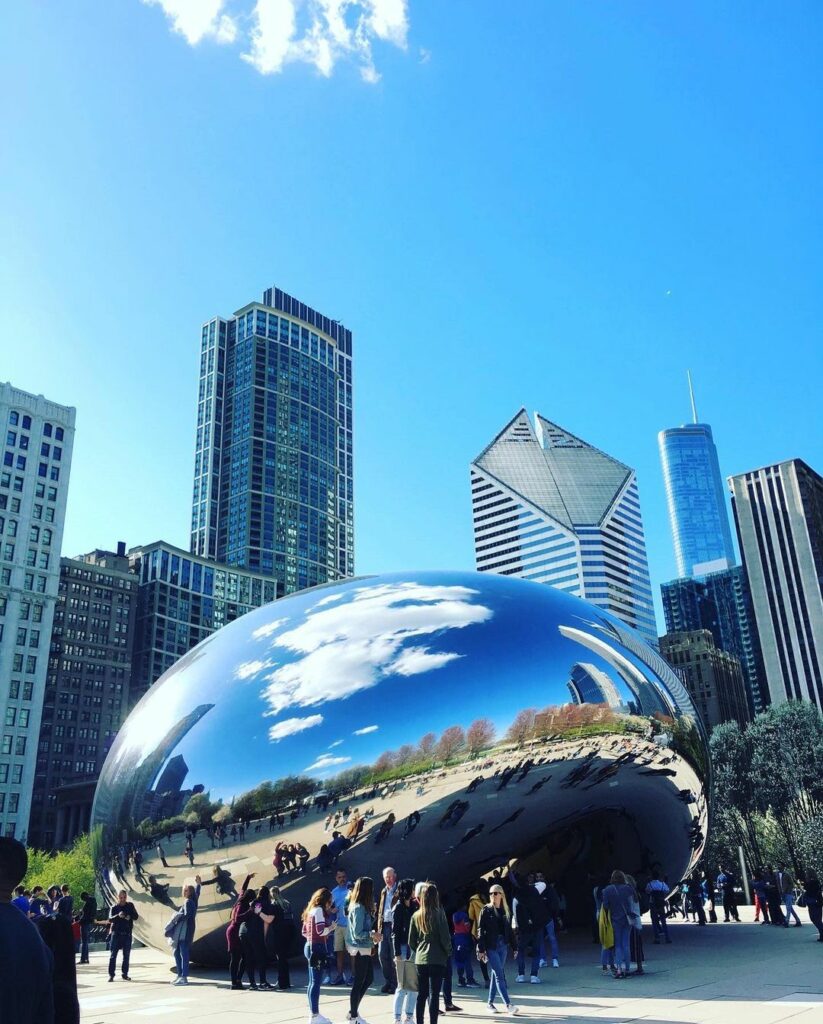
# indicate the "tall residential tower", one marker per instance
pixel 273 476
pixel 779 516
pixel 34 482
pixel 549 507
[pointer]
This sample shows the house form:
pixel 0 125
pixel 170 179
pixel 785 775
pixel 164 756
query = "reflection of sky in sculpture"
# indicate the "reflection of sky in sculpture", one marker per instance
pixel 332 677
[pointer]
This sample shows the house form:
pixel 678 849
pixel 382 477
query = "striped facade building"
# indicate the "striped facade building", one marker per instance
pixel 551 508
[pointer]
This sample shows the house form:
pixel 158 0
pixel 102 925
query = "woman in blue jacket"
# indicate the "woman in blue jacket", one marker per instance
pixel 188 913
pixel 360 938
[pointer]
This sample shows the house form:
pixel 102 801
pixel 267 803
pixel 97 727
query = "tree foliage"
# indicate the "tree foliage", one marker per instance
pixel 71 867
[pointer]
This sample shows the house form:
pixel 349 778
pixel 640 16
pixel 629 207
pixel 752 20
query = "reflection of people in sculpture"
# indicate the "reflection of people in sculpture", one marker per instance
pixel 338 844
pixel 385 828
pixel 324 858
pixel 468 835
pixel 474 784
pixel 454 812
pixel 158 891
pixel 278 860
pixel 412 822
pixel 512 817
pixel 302 855
pixel 222 881
pixel 538 785
pixel 356 826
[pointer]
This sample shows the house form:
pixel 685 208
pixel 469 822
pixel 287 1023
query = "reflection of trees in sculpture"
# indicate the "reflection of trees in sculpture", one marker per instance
pixel 425 747
pixel 270 795
pixel 522 728
pixel 575 720
pixel 451 740
pixel 479 735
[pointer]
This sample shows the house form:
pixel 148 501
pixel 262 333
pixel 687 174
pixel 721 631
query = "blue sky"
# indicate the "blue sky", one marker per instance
pixel 556 205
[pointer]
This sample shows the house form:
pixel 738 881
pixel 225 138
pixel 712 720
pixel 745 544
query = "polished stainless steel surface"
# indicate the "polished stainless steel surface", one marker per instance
pixel 519 723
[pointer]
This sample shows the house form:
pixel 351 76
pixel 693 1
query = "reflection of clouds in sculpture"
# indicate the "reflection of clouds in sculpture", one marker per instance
pixel 262 632
pixel 349 647
pixel 364 731
pixel 337 743
pixel 325 762
pixel 290 726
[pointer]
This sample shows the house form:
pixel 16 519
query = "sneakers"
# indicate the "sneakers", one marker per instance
pixel 512 1011
pixel 555 962
pixel 492 1008
pixel 126 977
pixel 339 980
pixel 326 979
pixel 407 1018
pixel 453 1007
pixel 535 980
pixel 111 977
pixel 473 984
pixel 180 981
pixel 318 1018
pixel 543 964
pixel 520 977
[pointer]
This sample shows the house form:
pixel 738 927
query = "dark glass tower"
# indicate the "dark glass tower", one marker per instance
pixel 273 490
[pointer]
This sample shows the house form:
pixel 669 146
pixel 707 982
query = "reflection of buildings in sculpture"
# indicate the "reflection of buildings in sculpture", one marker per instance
pixel 591 685
pixel 169 798
pixel 647 699
pixel 139 775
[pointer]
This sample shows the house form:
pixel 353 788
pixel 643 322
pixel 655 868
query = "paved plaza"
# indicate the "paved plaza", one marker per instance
pixel 720 974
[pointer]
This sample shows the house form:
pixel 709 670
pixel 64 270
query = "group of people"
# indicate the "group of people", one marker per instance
pixel 776 895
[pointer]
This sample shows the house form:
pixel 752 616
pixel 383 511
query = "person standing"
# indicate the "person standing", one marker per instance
pixel 318 924
pixel 474 910
pixel 26 964
pixel 240 912
pixel 122 916
pixel 725 885
pixel 384 926
pixel 191 895
pixel 65 903
pixel 785 886
pixel 87 917
pixel 657 890
pixel 616 899
pixel 760 897
pixel 430 945
pixel 280 935
pixel 404 907
pixel 814 900
pixel 340 896
pixel 494 939
pixel 362 934
pixel 161 853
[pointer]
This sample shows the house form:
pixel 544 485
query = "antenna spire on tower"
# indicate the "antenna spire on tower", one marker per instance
pixel 691 396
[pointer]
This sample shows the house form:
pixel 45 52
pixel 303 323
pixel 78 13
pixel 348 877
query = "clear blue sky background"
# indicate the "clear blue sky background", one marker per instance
pixel 551 204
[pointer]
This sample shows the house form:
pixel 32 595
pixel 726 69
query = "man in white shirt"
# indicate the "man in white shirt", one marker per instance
pixel 385 919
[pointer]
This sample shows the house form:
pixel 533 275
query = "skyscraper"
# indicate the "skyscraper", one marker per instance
pixel 273 475
pixel 695 497
pixel 86 695
pixel 779 517
pixel 721 602
pixel 713 677
pixel 38 436
pixel 549 507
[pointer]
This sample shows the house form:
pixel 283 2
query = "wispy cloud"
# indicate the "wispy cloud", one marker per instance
pixel 366 730
pixel 321 33
pixel 290 726
pixel 326 761
pixel 337 743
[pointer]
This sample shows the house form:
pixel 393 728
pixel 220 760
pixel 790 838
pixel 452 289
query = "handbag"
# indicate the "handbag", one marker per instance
pixel 605 929
pixel 633 914
pixel 802 900
pixel 174 928
pixel 406 974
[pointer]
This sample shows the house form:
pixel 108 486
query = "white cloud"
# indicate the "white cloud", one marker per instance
pixel 326 761
pixel 366 730
pixel 197 20
pixel 251 668
pixel 263 632
pixel 340 649
pixel 337 743
pixel 317 32
pixel 290 726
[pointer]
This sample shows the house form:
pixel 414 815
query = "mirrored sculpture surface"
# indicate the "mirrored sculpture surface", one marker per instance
pixel 446 723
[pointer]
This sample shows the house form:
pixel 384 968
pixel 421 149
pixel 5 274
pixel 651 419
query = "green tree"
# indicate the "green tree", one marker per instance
pixel 71 867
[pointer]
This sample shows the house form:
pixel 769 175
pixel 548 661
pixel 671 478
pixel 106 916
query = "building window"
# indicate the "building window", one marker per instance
pixel 11 717
pixel 20 746
pixel 47 429
pixel 6 745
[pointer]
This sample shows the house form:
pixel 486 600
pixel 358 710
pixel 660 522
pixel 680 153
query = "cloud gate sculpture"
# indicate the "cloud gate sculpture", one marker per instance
pixel 447 723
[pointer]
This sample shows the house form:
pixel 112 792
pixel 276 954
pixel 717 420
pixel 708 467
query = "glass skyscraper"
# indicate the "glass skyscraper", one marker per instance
pixel 273 476
pixel 696 500
pixel 550 508
pixel 721 602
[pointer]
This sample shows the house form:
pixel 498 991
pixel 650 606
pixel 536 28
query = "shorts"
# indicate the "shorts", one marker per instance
pixel 340 938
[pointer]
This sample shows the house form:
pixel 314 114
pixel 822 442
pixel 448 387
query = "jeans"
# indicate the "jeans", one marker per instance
pixel 363 977
pixel 387 956
pixel 607 956
pixel 181 958
pixel 524 938
pixel 497 973
pixel 429 981
pixel 119 943
pixel 551 935
pixel 788 899
pixel 404 1000
pixel 463 948
pixel 659 925
pixel 315 977
pixel 85 931
pixel 621 943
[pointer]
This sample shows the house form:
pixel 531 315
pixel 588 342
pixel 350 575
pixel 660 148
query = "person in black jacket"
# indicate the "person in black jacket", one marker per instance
pixel 86 917
pixel 122 916
pixel 494 939
pixel 529 921
pixel 56 933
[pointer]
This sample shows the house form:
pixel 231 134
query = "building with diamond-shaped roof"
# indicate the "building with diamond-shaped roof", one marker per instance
pixel 551 508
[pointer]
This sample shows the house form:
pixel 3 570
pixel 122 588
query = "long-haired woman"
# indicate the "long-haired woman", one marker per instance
pixel 431 946
pixel 403 906
pixel 360 938
pixel 318 923
pixel 239 913
pixel 494 939
pixel 616 899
